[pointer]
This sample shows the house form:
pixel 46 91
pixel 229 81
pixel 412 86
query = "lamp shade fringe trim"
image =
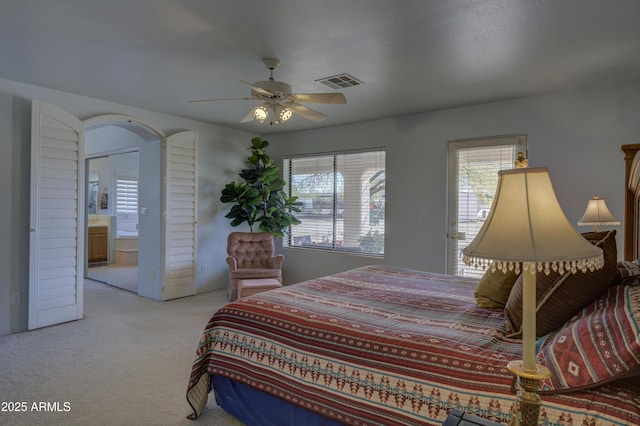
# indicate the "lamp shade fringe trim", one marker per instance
pixel 582 223
pixel 573 266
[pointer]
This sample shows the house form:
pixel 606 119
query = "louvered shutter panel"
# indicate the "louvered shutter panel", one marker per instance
pixel 56 240
pixel 181 215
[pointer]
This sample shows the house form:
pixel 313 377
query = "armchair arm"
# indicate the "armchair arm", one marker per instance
pixel 233 263
pixel 275 262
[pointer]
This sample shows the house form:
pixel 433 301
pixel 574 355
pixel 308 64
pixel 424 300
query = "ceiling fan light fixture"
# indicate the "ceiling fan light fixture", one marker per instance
pixel 260 113
pixel 282 113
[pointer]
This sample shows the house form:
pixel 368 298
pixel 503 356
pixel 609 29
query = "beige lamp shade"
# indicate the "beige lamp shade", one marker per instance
pixel 597 213
pixel 527 225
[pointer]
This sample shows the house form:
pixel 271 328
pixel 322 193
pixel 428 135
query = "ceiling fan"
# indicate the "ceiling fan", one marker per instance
pixel 278 101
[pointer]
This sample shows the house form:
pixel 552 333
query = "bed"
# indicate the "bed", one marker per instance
pixel 381 345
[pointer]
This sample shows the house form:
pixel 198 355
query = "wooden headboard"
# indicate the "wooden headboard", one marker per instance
pixel 631 201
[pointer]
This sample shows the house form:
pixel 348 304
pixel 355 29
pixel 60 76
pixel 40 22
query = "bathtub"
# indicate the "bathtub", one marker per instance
pixel 125 250
pixel 124 242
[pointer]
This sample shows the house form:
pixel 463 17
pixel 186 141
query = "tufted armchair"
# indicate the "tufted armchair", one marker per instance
pixel 251 256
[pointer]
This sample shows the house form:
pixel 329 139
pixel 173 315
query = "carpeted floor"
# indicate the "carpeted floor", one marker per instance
pixel 127 362
pixel 121 276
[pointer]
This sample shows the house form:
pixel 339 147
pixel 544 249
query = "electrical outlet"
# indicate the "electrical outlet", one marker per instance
pixel 203 269
pixel 16 298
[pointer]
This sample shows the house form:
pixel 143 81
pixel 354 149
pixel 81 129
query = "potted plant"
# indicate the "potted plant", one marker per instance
pixel 372 242
pixel 260 198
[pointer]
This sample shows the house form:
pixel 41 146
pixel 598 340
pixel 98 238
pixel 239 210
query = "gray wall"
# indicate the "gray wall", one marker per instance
pixel 576 134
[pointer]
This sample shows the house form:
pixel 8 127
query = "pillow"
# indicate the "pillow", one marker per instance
pixel 559 297
pixel 628 272
pixel 597 345
pixel 494 287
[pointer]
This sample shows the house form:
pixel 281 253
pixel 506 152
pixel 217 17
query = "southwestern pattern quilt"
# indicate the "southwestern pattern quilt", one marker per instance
pixel 380 345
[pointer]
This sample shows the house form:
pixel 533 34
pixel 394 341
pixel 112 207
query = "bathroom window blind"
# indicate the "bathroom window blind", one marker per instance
pixel 126 194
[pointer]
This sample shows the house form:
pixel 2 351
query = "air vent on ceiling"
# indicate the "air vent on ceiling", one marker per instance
pixel 340 81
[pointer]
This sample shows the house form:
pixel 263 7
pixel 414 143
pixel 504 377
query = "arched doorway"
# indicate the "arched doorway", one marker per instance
pixel 121 154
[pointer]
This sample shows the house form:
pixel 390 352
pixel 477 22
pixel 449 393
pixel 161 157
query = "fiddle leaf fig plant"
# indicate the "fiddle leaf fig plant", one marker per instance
pixel 260 198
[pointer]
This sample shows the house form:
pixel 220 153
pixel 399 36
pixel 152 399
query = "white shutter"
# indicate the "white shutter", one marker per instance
pixel 126 194
pixel 57 221
pixel 126 202
pixel 181 220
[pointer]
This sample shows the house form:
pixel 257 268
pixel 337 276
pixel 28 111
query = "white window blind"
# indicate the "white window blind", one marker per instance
pixel 478 178
pixel 343 201
pixel 126 194
pixel 477 163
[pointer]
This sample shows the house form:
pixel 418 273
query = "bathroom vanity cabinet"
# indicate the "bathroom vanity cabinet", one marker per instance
pixel 97 242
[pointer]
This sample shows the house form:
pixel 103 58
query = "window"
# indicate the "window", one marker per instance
pixel 126 203
pixel 343 201
pixel 473 178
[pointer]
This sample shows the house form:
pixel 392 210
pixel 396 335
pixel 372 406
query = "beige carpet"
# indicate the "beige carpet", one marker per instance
pixel 121 276
pixel 127 362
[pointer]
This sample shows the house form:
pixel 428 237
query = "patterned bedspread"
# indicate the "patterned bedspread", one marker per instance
pixel 384 345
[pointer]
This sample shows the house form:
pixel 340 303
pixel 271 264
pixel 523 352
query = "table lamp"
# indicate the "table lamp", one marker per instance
pixel 526 230
pixel 597 213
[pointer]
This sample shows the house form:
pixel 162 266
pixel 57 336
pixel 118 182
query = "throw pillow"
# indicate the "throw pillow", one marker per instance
pixel 494 288
pixel 559 297
pixel 582 355
pixel 628 272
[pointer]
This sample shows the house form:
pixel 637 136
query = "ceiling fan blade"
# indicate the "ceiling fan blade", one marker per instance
pixel 305 112
pixel 318 98
pixel 222 99
pixel 257 89
pixel 249 116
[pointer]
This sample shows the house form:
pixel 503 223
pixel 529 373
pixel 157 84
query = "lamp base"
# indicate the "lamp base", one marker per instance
pixel 528 402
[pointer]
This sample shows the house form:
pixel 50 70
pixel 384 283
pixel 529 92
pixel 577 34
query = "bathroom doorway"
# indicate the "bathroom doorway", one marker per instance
pixel 112 219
